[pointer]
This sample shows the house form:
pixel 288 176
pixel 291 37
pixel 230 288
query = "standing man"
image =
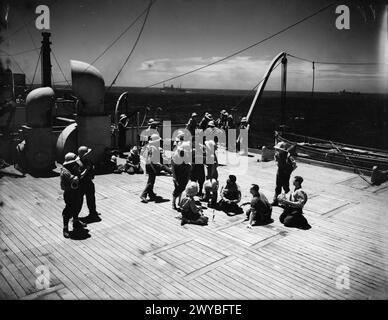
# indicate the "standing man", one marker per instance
pixel 71 194
pixel 292 215
pixel 192 125
pixel 240 140
pixel 260 210
pixel 123 127
pixel 181 174
pixel 86 183
pixel 152 158
pixel 198 168
pixel 286 164
pixel 152 129
pixel 205 120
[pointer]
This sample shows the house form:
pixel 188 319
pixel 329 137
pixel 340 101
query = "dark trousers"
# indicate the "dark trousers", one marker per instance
pixel 73 205
pixel 198 175
pixel 122 140
pixel 88 189
pixel 211 196
pixel 230 207
pixel 149 189
pixel 212 172
pixel 282 181
pixel 260 217
pixel 294 218
pixel 180 186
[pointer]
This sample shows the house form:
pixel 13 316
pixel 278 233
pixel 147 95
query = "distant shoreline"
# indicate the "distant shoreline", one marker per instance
pixel 157 90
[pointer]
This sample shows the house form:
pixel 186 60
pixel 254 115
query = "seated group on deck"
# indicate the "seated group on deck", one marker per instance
pixel 195 180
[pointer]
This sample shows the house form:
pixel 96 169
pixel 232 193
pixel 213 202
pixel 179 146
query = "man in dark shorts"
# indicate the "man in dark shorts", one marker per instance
pixel 181 174
pixel 286 164
pixel 260 210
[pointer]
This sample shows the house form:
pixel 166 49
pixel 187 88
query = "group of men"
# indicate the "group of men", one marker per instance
pixel 199 169
pixel 189 169
pixel 224 122
pixel 76 178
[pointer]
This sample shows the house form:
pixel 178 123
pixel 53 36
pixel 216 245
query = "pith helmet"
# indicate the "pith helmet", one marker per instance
pixel 282 146
pixel 69 158
pixel 83 151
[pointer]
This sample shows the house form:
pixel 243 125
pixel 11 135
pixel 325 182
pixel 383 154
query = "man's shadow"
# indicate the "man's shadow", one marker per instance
pixel 160 199
pixel 264 223
pixel 79 234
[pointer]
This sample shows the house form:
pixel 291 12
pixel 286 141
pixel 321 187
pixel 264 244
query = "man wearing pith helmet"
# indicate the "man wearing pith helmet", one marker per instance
pixel 86 183
pixel 71 193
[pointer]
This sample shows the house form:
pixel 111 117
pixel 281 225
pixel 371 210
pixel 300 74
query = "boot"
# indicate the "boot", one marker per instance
pixel 77 224
pixel 66 232
pixel 174 203
pixel 92 217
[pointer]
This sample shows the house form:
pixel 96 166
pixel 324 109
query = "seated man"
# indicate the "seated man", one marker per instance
pixel 292 215
pixel 260 210
pixel 133 162
pixel 211 192
pixel 230 196
pixel 191 213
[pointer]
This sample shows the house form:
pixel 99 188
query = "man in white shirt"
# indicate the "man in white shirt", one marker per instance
pixel 292 215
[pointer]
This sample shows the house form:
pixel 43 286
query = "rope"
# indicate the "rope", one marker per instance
pixel 121 34
pixel 134 46
pixel 36 68
pixel 32 40
pixel 23 26
pixel 356 169
pixel 254 88
pixel 337 63
pixel 247 48
pixel 17 64
pixel 59 66
pixel 19 53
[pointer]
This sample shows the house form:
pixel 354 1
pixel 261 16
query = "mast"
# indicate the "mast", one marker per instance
pixel 283 90
pixel 46 62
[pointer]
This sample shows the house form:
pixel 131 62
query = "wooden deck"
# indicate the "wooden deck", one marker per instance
pixel 140 251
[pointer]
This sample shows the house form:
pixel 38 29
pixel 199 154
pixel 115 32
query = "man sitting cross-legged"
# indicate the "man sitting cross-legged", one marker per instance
pixel 230 196
pixel 191 212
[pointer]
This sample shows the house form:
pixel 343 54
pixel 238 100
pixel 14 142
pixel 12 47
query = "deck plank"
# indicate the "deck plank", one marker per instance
pixel 140 251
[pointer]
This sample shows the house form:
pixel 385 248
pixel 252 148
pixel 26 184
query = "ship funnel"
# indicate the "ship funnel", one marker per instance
pixel 88 85
pixel 39 106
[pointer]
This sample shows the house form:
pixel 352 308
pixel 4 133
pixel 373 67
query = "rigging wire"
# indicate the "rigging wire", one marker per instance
pixel 254 88
pixel 145 11
pixel 337 63
pixel 249 47
pixel 32 39
pixel 16 63
pixel 134 46
pixel 36 68
pixel 60 69
pixel 24 25
pixel 19 53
